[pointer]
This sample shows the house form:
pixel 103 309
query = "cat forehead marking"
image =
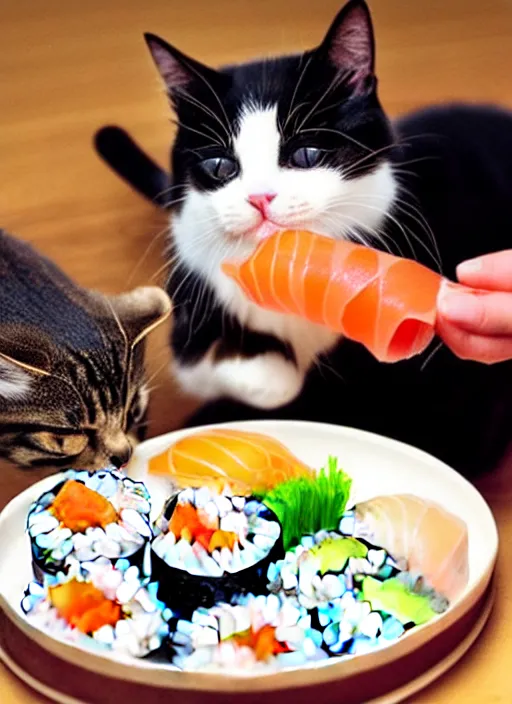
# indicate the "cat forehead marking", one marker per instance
pixel 256 145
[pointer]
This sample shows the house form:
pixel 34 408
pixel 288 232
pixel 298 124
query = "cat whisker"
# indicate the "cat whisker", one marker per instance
pixel 436 257
pixel 153 376
pixel 203 290
pixel 321 364
pixel 380 237
pixel 336 80
pixel 350 169
pixel 296 110
pixel 170 188
pixel 405 207
pixel 297 86
pixel 431 356
pixel 418 160
pixel 208 137
pixel 155 238
pixel 339 133
pixel 199 104
pixel 211 89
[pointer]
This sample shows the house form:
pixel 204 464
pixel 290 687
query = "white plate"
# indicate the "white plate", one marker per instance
pixel 377 466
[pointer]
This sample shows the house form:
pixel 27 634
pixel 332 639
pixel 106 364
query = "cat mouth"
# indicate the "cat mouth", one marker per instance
pixel 265 229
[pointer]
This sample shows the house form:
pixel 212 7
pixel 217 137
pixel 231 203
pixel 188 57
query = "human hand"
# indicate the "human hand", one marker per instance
pixel 477 324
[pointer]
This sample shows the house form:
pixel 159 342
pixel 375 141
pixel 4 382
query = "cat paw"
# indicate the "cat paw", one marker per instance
pixel 266 381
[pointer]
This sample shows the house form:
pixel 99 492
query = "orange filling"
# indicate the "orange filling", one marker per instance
pixel 77 507
pixel 84 606
pixel 186 522
pixel 262 642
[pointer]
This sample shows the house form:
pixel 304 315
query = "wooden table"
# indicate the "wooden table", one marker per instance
pixel 66 68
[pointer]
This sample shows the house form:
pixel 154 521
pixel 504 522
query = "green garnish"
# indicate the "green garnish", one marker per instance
pixel 394 597
pixel 334 553
pixel 305 505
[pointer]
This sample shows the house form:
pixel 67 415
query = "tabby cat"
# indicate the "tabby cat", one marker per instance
pixel 302 141
pixel 72 389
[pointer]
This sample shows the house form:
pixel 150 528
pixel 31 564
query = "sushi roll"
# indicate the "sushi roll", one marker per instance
pixel 86 516
pixel 358 597
pixel 100 606
pixel 252 633
pixel 212 546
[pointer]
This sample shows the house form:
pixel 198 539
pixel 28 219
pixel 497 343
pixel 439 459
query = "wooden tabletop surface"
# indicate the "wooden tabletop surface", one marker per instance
pixel 67 68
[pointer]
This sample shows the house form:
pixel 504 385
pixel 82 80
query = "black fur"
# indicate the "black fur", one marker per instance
pixel 454 164
pixel 119 150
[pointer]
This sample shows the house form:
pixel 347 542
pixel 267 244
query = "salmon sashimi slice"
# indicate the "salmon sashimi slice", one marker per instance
pixel 384 302
pixel 245 461
pixel 433 541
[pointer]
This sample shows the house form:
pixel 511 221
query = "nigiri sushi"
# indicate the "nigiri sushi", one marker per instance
pixel 386 303
pixel 432 541
pixel 246 461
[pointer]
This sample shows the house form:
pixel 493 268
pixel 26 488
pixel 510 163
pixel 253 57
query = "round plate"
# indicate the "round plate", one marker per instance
pixel 377 466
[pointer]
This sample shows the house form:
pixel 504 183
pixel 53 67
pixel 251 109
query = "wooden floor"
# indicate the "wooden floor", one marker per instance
pixel 68 67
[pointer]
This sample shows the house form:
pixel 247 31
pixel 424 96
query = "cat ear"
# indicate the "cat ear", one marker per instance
pixel 350 45
pixel 140 311
pixel 15 381
pixel 25 350
pixel 176 69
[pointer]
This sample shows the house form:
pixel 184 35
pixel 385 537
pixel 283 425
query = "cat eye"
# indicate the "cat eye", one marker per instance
pixel 305 157
pixel 66 444
pixel 219 168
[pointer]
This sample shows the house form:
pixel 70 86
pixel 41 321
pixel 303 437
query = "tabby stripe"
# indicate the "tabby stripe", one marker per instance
pixel 29 444
pixel 56 462
pixel 37 428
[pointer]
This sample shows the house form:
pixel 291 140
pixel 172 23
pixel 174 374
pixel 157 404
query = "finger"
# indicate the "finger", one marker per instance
pixel 492 271
pixel 488 350
pixel 479 313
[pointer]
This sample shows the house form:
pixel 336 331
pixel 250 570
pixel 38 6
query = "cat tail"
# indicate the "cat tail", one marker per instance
pixel 126 158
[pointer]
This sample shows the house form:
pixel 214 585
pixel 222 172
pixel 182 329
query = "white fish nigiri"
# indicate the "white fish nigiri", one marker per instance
pixel 433 541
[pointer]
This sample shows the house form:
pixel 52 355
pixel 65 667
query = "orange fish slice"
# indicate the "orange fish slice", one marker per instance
pixel 433 541
pixel 84 606
pixel 386 303
pixel 77 507
pixel 245 461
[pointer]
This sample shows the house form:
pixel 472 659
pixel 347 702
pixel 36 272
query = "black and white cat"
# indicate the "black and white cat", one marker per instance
pixel 303 142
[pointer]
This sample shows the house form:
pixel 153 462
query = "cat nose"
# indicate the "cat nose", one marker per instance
pixel 121 457
pixel 261 201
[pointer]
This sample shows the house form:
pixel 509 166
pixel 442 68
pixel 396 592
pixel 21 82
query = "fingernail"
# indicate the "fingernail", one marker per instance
pixel 460 307
pixel 470 267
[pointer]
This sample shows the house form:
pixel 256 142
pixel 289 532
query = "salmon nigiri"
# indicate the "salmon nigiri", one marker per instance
pixel 248 462
pixel 386 303
pixel 433 541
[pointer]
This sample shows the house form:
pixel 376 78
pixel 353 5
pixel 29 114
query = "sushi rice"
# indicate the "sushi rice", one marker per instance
pixel 221 637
